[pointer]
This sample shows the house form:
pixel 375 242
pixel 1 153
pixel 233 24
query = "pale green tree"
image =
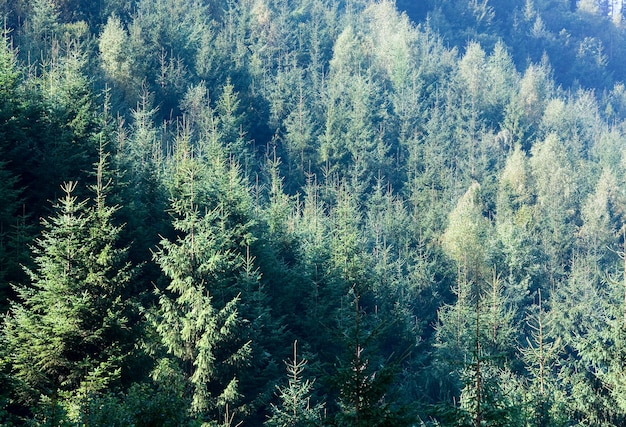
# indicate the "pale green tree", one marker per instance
pixel 199 319
pixel 516 230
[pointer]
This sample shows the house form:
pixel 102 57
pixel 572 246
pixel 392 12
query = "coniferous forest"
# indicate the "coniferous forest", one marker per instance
pixel 313 213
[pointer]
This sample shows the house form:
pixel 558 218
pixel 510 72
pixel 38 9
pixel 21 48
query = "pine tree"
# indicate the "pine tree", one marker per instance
pixel 606 350
pixel 475 336
pixel 598 231
pixel 312 228
pixel 41 28
pixel 299 138
pixel 465 237
pixel 517 231
pixel 591 340
pixel 118 60
pixel 557 189
pixel 230 125
pixel 61 145
pixel 484 398
pixel 15 230
pixel 351 144
pixel 9 194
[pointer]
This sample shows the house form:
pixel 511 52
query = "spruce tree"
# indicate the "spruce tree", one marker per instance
pixel 15 230
pixel 364 377
pixel 540 356
pixel 199 321
pixel 139 158
pixel 295 408
pixel 517 231
pixel 9 195
pixel 230 125
pixel 71 332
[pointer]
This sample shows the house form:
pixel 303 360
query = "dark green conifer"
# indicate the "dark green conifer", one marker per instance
pixel 70 334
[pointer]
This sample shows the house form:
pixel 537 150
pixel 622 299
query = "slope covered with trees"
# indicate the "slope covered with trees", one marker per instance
pixel 312 212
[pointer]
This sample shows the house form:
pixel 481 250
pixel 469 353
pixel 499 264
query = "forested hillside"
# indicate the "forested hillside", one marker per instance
pixel 312 213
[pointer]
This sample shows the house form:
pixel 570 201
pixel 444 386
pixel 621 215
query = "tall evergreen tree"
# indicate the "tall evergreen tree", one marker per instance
pixel 540 356
pixel 139 156
pixel 15 228
pixel 11 236
pixel 363 376
pixel 71 333
pixel 516 230
pixel 199 320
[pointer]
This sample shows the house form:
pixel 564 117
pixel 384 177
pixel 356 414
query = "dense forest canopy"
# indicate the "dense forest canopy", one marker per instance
pixel 313 213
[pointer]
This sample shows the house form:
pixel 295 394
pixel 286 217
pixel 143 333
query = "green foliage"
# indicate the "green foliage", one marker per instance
pixel 515 229
pixel 8 252
pixel 295 408
pixel 72 330
pixel 395 196
pixel 556 188
pixel 49 134
pixel 43 24
pixel 199 319
pixel 540 356
pixel 365 383
pixel 116 57
pixel 466 234
pixel 159 401
pixel 355 114
pixel 230 126
pixel 139 158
